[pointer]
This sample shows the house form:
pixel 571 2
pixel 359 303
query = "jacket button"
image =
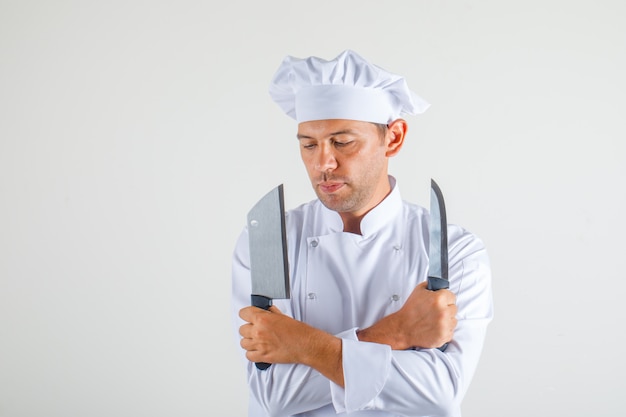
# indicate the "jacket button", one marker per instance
pixel 314 243
pixel 395 297
pixel 311 296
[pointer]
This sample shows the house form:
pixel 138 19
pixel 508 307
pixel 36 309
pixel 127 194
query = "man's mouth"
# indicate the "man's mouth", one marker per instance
pixel 328 187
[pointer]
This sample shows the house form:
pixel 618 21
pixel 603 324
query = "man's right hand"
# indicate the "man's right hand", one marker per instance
pixel 426 320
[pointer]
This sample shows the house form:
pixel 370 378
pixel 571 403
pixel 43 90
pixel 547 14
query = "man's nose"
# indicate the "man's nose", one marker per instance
pixel 325 159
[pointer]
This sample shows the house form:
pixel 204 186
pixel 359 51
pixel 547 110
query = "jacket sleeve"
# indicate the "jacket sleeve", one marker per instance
pixel 282 389
pixel 424 382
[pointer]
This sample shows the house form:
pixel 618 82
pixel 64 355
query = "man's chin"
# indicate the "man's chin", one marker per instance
pixel 333 202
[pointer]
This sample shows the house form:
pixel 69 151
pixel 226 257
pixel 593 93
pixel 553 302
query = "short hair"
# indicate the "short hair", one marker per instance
pixel 382 129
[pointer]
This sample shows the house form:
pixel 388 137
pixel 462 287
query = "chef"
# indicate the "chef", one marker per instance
pixel 360 333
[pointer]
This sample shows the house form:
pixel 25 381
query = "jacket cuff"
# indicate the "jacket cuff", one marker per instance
pixel 366 367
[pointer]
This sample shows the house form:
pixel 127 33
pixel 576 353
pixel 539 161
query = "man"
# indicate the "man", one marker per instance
pixel 360 332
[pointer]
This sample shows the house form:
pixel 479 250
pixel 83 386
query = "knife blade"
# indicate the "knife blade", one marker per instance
pixel 438 246
pixel 269 268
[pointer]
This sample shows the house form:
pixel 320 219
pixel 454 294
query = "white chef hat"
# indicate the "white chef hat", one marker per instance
pixel 347 87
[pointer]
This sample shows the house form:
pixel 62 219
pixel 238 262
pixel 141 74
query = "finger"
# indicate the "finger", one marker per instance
pixel 450 297
pixel 245 330
pixel 245 343
pixel 250 313
pixel 246 313
pixel 442 299
pixel 248 345
pixel 252 356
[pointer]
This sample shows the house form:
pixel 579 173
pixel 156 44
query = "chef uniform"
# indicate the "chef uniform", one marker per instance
pixel 342 282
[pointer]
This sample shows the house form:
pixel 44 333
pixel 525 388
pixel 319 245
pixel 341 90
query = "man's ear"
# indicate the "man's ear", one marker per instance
pixel 396 131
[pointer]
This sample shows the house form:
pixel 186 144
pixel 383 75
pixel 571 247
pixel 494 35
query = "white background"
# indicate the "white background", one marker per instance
pixel 135 136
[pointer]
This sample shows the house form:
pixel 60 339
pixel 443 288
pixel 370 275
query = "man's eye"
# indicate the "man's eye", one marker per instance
pixel 341 144
pixel 309 146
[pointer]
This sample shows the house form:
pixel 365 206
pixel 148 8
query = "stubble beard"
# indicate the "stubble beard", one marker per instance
pixel 353 196
pixel 341 204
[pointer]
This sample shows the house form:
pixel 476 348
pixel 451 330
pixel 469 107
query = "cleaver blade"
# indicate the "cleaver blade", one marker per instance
pixel 269 267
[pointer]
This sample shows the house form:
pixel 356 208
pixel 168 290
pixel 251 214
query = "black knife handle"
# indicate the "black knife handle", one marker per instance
pixel 261 301
pixel 435 284
pixel 264 303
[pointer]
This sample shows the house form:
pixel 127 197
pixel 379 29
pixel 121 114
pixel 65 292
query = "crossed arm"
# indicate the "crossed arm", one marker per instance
pixel 426 320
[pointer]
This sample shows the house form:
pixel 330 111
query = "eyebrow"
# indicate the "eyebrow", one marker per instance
pixel 337 133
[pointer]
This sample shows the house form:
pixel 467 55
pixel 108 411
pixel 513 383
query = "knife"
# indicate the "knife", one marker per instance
pixel 438 246
pixel 269 267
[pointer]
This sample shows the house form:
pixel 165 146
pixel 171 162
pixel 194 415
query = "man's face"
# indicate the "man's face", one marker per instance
pixel 347 163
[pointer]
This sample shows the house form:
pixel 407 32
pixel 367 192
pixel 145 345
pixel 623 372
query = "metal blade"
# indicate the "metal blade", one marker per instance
pixel 438 247
pixel 268 246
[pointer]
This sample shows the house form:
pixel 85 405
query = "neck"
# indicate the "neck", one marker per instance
pixel 351 224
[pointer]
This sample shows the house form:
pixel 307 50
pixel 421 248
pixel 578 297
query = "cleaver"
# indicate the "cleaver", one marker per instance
pixel 438 246
pixel 269 267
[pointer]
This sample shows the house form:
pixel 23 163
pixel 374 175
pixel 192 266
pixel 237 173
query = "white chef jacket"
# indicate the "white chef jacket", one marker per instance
pixel 341 282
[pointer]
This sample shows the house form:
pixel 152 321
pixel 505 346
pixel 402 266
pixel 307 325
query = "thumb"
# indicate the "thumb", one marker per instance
pixel 423 284
pixel 275 309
